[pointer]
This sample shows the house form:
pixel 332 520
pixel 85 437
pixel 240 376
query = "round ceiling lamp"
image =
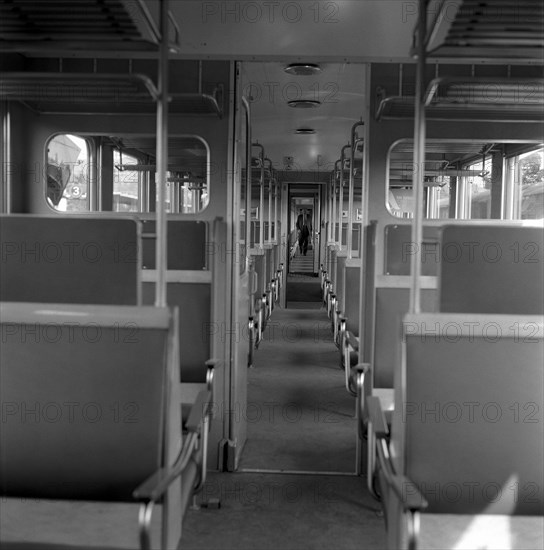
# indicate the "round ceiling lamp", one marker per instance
pixel 303 103
pixel 302 69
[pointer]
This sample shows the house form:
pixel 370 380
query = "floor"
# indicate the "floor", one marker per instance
pixel 296 487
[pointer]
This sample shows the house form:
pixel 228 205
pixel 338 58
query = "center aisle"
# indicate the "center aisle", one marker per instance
pixel 300 416
pixel 300 425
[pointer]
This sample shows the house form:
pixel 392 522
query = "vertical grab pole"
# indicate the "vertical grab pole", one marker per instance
pixel 334 209
pixel 247 109
pixel 364 275
pixel 5 156
pixel 419 160
pixel 269 201
pixel 341 196
pixel 261 196
pixel 354 141
pixel 331 206
pixel 276 193
pixel 162 159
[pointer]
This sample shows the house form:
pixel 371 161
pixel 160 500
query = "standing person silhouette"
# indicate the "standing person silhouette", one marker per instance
pixel 303 227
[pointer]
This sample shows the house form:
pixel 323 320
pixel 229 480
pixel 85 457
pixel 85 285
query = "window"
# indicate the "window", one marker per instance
pixel 126 183
pixel 471 180
pixel 68 173
pixel 188 176
pixel 529 185
pixel 479 188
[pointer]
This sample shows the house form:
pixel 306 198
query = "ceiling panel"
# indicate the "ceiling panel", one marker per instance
pixel 339 88
pixel 355 30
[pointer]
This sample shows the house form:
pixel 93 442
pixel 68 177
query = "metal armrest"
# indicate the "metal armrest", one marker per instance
pixel 332 306
pixel 264 310
pixel 200 410
pixel 361 370
pixel 376 417
pixel 326 291
pixel 347 342
pixel 412 502
pixel 408 493
pixel 153 488
pixel 337 314
pixel 275 288
pixel 252 340
pixel 210 374
pixel 271 296
pixel 377 435
pixel 341 332
pixel 352 340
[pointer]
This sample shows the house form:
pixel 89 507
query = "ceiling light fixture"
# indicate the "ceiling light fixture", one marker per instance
pixel 304 131
pixel 302 69
pixel 303 103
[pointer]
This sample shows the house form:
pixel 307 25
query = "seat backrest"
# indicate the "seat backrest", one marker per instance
pixel 391 306
pixel 399 248
pixel 467 425
pixel 339 286
pixel 188 244
pixel 370 234
pixel 70 260
pixel 352 283
pixel 259 265
pixel 492 269
pixel 84 397
pixel 194 256
pixel 195 327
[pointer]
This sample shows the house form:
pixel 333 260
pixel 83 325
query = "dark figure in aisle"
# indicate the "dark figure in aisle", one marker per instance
pixel 303 227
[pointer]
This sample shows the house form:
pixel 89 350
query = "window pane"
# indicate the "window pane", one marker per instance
pixel 480 190
pixel 126 183
pixel 67 188
pixel 531 183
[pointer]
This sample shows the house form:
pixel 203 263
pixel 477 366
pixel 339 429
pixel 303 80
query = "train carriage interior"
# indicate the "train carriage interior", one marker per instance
pixel 271 274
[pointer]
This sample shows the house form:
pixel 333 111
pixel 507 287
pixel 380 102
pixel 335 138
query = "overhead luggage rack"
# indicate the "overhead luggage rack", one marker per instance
pixel 89 25
pixel 198 103
pixel 93 93
pixel 473 99
pixel 479 29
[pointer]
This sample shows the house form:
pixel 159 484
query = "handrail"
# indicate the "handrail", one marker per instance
pixel 177 32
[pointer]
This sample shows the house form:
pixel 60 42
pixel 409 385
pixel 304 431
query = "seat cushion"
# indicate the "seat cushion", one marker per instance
pixel 482 531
